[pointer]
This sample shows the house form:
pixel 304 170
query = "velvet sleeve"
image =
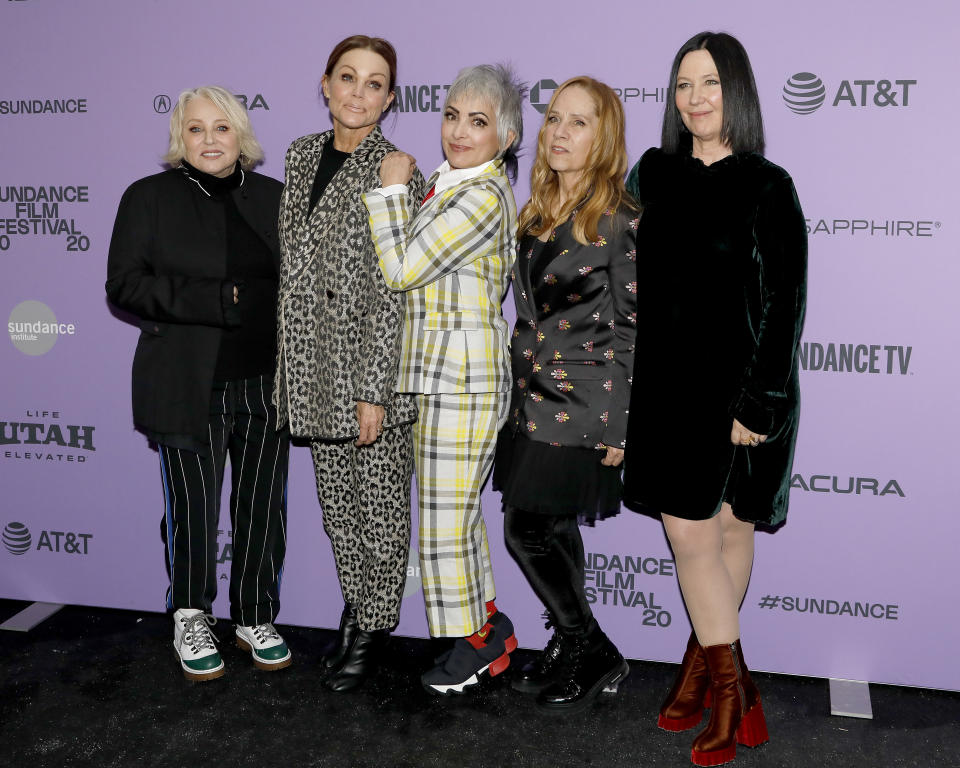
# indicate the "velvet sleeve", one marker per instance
pixel 781 248
pixel 134 285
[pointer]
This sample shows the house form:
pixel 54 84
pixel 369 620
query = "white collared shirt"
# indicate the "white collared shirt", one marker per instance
pixel 448 177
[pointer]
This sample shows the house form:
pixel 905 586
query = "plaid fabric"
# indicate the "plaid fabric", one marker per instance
pixel 453 443
pixel 452 259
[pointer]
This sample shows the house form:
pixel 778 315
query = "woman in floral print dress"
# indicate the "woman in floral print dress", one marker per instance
pixel 559 457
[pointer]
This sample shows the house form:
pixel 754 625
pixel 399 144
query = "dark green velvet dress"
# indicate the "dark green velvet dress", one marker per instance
pixel 721 285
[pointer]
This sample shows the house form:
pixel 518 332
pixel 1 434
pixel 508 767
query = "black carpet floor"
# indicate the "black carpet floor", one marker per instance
pixel 97 687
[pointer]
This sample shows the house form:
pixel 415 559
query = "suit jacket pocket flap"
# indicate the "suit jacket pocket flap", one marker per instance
pixel 452 321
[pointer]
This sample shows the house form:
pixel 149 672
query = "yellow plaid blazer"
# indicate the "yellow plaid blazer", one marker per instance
pixel 453 261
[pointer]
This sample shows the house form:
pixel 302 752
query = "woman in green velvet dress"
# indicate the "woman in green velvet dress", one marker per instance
pixel 721 263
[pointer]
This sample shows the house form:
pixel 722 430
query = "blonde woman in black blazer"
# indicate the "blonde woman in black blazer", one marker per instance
pixel 559 457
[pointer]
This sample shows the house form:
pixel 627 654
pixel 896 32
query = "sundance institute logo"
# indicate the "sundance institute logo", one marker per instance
pixel 16 538
pixel 804 93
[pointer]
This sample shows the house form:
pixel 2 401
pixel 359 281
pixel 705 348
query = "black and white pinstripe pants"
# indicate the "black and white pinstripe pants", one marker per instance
pixel 243 426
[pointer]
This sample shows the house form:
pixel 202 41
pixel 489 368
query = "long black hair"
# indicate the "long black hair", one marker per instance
pixel 742 128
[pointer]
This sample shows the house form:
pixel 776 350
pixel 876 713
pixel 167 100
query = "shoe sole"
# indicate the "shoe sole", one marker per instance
pixel 494 668
pixel 608 683
pixel 200 677
pixel 266 666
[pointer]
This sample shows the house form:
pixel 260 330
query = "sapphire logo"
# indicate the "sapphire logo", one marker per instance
pixel 540 94
pixel 804 93
pixel 16 538
pixel 161 104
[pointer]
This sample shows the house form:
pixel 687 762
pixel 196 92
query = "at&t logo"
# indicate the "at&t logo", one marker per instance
pixel 17 541
pixel 805 92
pixel 16 538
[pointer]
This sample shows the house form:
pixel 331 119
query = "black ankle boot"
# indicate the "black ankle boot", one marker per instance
pixel 333 657
pixel 591 663
pixel 543 670
pixel 360 660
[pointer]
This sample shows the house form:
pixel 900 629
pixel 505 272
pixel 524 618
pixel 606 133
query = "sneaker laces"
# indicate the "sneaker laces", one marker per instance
pixel 197 634
pixel 265 632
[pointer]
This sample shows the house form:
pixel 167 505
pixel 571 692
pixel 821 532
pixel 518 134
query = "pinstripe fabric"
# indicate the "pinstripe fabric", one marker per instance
pixel 243 426
pixel 452 259
pixel 454 441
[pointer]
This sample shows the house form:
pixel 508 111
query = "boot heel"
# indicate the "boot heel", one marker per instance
pixel 752 731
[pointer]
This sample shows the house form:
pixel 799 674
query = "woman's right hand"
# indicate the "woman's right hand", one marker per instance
pixel 396 168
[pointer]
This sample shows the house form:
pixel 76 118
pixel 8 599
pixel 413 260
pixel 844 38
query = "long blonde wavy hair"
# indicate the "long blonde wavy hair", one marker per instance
pixel 599 189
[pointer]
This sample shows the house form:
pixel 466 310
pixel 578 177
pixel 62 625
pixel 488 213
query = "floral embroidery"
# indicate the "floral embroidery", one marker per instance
pixel 528 354
pixel 550 279
pixel 516 332
pixel 596 316
pixel 536 396
pixel 588 345
pixel 558 373
pixel 633 223
pixel 613 325
pixel 604 416
pixel 573 298
pixel 540 336
pixel 600 241
pixel 632 286
pixel 557 355
pixel 632 317
pixel 523 295
pixel 521 383
pixel 531 426
pixel 554 444
pixel 562 416
pixel 608 354
pixel 530 254
pixel 513 276
pixel 545 308
pixel 563 325
pixel 565 386
pixel 537 367
pixel 632 255
pixel 608 385
pixel 599 446
pixel 585 270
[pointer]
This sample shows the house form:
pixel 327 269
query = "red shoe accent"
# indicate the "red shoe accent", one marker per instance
pixel 677 724
pixel 491 608
pixel 752 731
pixel 717 757
pixel 511 643
pixel 499 665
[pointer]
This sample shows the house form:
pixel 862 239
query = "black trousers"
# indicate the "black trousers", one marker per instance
pixel 549 551
pixel 243 426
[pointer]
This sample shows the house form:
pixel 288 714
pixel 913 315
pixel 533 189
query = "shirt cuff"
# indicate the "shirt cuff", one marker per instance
pixel 393 189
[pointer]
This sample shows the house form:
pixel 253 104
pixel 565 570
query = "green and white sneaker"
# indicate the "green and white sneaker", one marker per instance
pixel 196 645
pixel 265 645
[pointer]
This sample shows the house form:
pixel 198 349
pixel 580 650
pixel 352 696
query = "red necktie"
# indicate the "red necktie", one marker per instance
pixel 429 195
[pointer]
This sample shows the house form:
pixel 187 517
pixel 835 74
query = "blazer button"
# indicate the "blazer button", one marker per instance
pixel 156 329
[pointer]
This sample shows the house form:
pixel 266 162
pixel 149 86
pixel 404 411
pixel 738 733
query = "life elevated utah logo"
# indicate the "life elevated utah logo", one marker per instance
pixel 804 93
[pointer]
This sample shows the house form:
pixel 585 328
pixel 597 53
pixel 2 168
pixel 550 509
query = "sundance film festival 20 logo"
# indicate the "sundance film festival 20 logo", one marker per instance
pixel 615 580
pixel 16 538
pixel 804 93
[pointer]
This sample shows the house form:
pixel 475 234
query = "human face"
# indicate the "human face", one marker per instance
pixel 469 132
pixel 211 145
pixel 358 93
pixel 699 97
pixel 569 131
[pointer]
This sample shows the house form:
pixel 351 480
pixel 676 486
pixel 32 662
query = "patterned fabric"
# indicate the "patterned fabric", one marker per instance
pixel 365 495
pixel 338 325
pixel 573 344
pixel 454 441
pixel 451 257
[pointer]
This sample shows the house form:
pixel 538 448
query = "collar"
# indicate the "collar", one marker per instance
pixel 447 177
pixel 213 186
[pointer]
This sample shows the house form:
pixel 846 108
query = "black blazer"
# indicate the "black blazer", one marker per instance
pixel 573 345
pixel 167 265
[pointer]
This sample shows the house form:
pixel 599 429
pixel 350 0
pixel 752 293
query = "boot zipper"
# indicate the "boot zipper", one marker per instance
pixel 736 666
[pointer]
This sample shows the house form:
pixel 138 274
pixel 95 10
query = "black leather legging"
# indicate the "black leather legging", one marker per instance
pixel 549 551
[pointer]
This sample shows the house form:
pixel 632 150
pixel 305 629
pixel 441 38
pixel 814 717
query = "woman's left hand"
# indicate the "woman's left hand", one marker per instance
pixel 614 457
pixel 396 168
pixel 740 435
pixel 370 418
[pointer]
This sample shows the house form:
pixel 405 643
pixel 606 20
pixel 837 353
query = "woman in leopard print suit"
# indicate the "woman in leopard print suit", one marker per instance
pixel 338 352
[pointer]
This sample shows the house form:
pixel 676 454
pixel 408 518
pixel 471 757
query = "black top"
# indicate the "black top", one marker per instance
pixel 168 266
pixel 330 162
pixel 721 279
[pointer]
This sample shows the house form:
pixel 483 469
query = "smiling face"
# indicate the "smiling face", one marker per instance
pixel 699 97
pixel 210 143
pixel 358 91
pixel 569 131
pixel 469 132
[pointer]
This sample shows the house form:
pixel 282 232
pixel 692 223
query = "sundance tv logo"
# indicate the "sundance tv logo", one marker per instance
pixel 804 93
pixel 16 538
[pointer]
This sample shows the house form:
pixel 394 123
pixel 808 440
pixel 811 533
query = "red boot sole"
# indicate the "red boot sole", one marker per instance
pixel 677 724
pixel 752 732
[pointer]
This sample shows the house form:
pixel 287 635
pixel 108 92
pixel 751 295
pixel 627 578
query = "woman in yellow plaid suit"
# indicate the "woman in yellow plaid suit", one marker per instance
pixel 452 260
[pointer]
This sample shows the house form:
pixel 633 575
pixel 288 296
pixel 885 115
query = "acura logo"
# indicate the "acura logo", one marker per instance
pixel 161 104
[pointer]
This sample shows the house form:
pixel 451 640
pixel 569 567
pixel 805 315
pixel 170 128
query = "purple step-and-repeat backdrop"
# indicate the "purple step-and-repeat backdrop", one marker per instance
pixel 862 581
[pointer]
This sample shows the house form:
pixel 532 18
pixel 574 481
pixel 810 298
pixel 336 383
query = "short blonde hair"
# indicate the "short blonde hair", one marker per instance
pixel 251 152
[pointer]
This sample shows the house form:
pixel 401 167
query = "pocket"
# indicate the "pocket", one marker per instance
pixel 452 321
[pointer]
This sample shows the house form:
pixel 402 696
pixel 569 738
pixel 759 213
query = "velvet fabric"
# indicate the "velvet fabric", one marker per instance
pixel 721 281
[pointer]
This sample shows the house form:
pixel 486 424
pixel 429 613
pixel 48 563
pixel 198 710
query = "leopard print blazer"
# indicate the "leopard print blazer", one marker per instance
pixel 338 325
